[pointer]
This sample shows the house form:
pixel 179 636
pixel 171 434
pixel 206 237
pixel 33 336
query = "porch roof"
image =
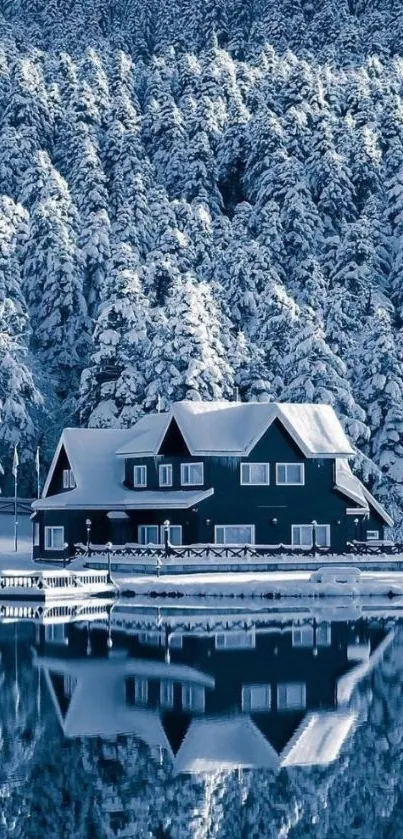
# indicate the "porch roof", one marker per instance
pixel 115 497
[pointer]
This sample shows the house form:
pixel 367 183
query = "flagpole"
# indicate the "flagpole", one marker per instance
pixel 15 511
pixel 38 472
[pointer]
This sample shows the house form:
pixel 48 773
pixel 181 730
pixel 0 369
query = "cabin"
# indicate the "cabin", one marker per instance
pixel 234 696
pixel 216 473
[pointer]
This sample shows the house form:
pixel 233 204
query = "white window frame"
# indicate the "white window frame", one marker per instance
pixel 140 690
pixel 326 628
pixel 37 534
pixel 303 636
pixel 55 633
pixel 249 700
pixel 287 482
pixel 148 527
pixel 189 483
pixel 142 469
pixel 165 467
pixel 171 527
pixel 69 684
pixel 372 535
pixel 246 472
pixel 166 694
pixel 235 640
pixel 301 544
pixel 49 531
pixel 287 706
pixel 193 697
pixel 68 479
pixel 225 526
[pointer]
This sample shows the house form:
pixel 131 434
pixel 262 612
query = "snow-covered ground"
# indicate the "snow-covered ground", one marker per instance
pixel 9 558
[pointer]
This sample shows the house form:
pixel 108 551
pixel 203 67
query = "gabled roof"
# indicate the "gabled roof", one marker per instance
pixel 319 738
pixel 98 474
pixel 234 428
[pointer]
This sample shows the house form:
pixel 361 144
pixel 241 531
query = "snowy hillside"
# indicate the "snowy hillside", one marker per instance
pixel 198 197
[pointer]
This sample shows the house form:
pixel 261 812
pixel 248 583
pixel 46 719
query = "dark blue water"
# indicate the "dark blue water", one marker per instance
pixel 134 721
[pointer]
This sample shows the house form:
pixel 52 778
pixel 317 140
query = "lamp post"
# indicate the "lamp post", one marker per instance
pixel 109 547
pixel 356 523
pixel 109 641
pixel 88 524
pixel 65 548
pixel 314 525
pixel 166 536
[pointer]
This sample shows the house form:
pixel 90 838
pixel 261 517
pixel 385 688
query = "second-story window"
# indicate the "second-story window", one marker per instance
pixel 140 476
pixel 257 474
pixel 165 475
pixel 192 474
pixel 291 474
pixel 68 479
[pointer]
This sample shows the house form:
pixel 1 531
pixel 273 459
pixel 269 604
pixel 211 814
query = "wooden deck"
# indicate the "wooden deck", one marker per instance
pixel 54 585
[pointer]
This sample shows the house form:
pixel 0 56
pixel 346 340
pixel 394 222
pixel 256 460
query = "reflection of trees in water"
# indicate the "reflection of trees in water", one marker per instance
pixel 92 788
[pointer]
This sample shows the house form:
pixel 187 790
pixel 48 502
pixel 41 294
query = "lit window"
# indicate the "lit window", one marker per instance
pixel 192 474
pixel 148 534
pixel 291 696
pixel 68 479
pixel 192 698
pixel 234 534
pixel 166 694
pixel 174 534
pixel 302 636
pixel 323 635
pixel 372 535
pixel 291 474
pixel 302 535
pixel 255 473
pixel 54 538
pixel 140 691
pixel 256 697
pixel 140 476
pixel 165 475
pixel 235 640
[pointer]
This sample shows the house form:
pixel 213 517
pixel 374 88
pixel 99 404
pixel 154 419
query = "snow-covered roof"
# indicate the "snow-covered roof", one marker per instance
pixel 319 738
pixel 234 428
pixel 224 743
pixel 98 474
pixel 348 484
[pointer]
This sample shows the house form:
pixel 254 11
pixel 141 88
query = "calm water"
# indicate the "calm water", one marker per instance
pixel 135 721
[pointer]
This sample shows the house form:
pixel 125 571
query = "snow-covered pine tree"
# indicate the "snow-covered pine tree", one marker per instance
pixel 112 386
pixel 187 358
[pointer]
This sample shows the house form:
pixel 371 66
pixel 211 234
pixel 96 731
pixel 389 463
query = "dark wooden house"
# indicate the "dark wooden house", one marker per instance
pixel 218 472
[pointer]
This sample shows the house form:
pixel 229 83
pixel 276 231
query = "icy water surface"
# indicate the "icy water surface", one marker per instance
pixel 136 721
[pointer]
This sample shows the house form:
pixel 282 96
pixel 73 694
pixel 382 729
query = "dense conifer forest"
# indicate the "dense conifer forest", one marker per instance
pixel 200 198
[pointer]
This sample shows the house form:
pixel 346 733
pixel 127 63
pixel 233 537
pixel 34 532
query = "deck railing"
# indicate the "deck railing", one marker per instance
pixel 211 551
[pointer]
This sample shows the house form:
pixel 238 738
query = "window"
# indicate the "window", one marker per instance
pixel 151 639
pixel 148 534
pixel 256 697
pixel 257 474
pixel 192 698
pixel 68 479
pixel 54 538
pixel 55 633
pixel 140 476
pixel 372 534
pixel 69 684
pixel 192 474
pixel 235 640
pixel 165 475
pixel 166 694
pixel 36 534
pixel 140 691
pixel 291 474
pixel 302 535
pixel 174 534
pixel 323 635
pixel 291 696
pixel 234 534
pixel 302 636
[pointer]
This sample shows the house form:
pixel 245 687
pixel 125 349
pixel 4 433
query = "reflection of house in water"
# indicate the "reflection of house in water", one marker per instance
pixel 265 696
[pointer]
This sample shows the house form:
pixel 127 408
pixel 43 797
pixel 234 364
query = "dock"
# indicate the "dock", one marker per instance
pixel 54 585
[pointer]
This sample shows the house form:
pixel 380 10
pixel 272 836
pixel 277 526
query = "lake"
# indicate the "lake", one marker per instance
pixel 137 720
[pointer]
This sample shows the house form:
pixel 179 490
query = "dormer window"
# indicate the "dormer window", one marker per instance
pixel 68 479
pixel 192 474
pixel 140 476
